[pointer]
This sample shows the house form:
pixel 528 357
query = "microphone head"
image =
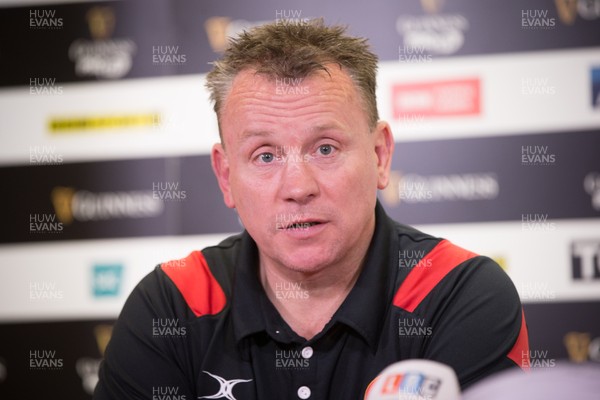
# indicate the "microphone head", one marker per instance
pixel 562 381
pixel 415 380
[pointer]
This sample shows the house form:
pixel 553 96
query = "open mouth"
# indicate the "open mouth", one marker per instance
pixel 298 225
pixel 302 225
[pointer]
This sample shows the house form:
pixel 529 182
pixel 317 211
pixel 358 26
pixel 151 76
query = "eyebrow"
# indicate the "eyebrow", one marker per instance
pixel 246 135
pixel 251 134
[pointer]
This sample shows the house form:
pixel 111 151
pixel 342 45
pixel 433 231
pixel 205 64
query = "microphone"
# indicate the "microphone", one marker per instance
pixel 415 380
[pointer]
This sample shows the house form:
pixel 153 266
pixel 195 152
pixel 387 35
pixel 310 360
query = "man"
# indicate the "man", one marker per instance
pixel 322 290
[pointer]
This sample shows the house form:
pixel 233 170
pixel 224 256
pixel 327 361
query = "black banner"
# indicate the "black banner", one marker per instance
pixel 560 331
pixel 505 178
pixel 56 360
pixel 502 178
pixel 62 358
pixel 134 39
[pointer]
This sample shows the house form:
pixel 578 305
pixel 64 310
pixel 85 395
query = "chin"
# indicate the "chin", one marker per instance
pixel 307 263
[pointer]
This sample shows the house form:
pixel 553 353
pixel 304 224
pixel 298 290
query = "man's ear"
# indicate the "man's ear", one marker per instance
pixel 384 149
pixel 220 165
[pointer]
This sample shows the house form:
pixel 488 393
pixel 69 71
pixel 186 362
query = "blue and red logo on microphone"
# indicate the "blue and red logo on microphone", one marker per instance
pixel 405 386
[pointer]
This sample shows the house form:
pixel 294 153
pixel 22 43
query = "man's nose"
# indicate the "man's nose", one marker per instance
pixel 298 181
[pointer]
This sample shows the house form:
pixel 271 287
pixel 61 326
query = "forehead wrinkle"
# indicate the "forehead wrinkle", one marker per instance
pixel 313 120
pixel 249 134
pixel 283 109
pixel 274 100
pixel 260 109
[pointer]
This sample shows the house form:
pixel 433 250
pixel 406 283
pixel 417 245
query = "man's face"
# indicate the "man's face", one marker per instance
pixel 302 167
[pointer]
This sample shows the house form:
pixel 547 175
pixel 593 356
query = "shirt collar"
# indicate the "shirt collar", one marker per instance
pixel 366 306
pixel 363 310
pixel 248 293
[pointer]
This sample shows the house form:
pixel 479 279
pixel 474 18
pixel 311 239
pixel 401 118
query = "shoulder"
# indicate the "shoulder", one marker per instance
pixel 203 278
pixel 435 266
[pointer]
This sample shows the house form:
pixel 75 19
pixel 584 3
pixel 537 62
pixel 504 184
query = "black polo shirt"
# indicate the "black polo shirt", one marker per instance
pixel 203 326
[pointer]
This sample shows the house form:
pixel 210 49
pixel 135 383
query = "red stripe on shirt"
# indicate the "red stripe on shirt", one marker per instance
pixel 196 283
pixel 421 280
pixel 520 351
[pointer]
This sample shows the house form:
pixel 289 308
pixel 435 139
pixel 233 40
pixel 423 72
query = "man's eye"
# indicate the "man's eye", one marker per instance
pixel 326 149
pixel 266 157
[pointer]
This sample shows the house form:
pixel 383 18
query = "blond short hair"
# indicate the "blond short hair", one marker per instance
pixel 288 49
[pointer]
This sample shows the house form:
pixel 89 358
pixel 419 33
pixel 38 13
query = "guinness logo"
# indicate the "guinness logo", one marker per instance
pixel 577 344
pixel 101 22
pixel 432 6
pixel 216 30
pixel 567 10
pixel 102 56
pixel 62 200
pixel 84 206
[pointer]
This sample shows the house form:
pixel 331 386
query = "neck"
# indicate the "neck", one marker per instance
pixel 308 300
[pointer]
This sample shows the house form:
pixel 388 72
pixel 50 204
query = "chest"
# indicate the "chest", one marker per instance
pixel 339 365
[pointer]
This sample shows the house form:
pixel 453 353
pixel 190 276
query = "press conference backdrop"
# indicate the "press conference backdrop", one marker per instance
pixel 106 130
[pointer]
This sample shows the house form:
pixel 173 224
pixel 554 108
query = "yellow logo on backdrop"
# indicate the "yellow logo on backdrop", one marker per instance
pixel 390 193
pixel 101 22
pixel 567 10
pixel 68 125
pixel 62 199
pixel 216 30
pixel 85 206
pixel 103 334
pixel 432 6
pixel 577 344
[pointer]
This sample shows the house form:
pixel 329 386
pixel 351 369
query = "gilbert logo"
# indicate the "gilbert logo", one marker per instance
pixel 226 389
